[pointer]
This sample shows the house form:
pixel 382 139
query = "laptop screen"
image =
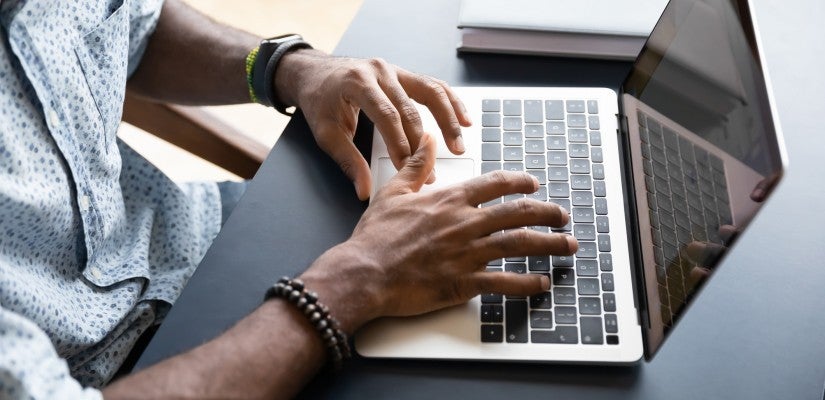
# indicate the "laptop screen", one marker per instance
pixel 707 144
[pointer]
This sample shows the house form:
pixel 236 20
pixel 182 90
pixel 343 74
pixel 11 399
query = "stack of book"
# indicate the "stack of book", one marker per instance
pixel 604 29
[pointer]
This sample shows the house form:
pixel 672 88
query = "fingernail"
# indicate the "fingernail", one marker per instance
pixel 566 214
pixel 459 144
pixel 465 113
pixel 545 283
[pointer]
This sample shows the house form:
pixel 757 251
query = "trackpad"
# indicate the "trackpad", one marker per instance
pixel 447 172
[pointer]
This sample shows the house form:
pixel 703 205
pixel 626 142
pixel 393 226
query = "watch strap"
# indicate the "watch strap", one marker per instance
pixel 272 65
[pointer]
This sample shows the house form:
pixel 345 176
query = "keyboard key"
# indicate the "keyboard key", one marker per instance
pixel 588 306
pixel 516 321
pixel 606 262
pixel 492 313
pixel 602 223
pixel 578 150
pixel 492 333
pixel 563 277
pixel 533 111
pixel 604 243
pixel 533 146
pixel 497 263
pixel 612 339
pixel 512 153
pixel 534 131
pixel 513 166
pixel 588 286
pixel 591 330
pixel 512 123
pixel 541 319
pixel 512 107
pixel 596 155
pixel 557 158
pixel 586 250
pixel 556 143
pixel 516 259
pixel 490 135
pixel 593 122
pixel 587 268
pixel 598 171
pixel 555 128
pixel 595 138
pixel 562 261
pixel 540 174
pixel 554 109
pixel 489 166
pixel 562 335
pixel 582 215
pixel 611 323
pixel 609 301
pixel 513 138
pixel 577 135
pixel 557 174
pixel 559 189
pixel 607 282
pixel 566 315
pixel 580 182
pixel 519 268
pixel 538 263
pixel 575 106
pixel 490 120
pixel 535 161
pixel 564 295
pixel 582 198
pixel 601 207
pixel 491 298
pixel 579 166
pixel 592 107
pixel 576 121
pixel 491 105
pixel 599 189
pixel 542 301
pixel 490 152
pixel 584 231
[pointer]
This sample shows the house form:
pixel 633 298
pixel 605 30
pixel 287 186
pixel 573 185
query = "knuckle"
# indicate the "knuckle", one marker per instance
pixel 410 114
pixel 388 112
pixel 378 63
pixel 357 74
pixel 437 90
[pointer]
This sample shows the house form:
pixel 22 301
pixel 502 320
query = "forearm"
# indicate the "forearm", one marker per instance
pixel 271 353
pixel 191 59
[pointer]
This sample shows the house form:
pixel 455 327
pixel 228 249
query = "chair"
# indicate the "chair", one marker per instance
pixel 198 132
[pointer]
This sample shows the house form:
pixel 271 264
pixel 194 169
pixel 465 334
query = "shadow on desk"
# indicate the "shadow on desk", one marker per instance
pixel 378 377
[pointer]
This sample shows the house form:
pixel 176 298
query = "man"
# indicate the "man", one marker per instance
pixel 97 244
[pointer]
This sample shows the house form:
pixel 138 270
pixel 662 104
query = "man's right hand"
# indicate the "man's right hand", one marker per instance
pixel 415 252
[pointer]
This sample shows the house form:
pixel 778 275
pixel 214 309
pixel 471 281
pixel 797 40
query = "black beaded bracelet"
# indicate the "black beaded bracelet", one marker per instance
pixel 335 340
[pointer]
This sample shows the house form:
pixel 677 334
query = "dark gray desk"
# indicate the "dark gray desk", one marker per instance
pixel 757 331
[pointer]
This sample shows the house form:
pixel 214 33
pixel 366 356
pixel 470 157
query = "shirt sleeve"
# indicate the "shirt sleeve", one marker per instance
pixel 29 366
pixel 143 18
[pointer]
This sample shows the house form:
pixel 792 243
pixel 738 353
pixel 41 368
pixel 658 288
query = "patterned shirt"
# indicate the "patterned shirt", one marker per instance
pixel 95 242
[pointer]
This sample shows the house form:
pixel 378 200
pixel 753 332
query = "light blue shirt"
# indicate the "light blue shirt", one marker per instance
pixel 95 242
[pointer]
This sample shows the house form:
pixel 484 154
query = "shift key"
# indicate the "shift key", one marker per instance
pixel 562 334
pixel 515 316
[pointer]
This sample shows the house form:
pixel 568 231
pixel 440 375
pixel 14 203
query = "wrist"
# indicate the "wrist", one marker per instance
pixel 292 74
pixel 341 280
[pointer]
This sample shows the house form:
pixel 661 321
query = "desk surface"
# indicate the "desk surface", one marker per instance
pixel 755 332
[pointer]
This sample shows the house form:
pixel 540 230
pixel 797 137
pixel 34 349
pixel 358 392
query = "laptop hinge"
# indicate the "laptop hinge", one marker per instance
pixel 639 298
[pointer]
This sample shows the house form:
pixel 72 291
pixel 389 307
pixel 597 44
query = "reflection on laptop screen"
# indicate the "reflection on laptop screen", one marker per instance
pixel 708 146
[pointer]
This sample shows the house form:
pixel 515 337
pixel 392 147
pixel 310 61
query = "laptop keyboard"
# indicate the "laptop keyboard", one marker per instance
pixel 688 201
pixel 558 142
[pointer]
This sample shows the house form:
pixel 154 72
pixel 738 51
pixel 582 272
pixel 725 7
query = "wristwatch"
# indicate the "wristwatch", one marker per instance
pixel 270 52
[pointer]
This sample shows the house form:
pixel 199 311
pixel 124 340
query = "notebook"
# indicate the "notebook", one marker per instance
pixel 660 180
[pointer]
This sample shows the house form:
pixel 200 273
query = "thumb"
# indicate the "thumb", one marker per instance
pixel 418 167
pixel 353 164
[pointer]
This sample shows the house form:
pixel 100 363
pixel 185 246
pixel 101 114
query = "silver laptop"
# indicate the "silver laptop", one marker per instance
pixel 659 179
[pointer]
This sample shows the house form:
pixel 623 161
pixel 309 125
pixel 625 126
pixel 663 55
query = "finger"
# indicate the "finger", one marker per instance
pixel 382 112
pixel 727 233
pixel 705 254
pixel 417 170
pixel 497 184
pixel 523 242
pixel 436 98
pixel 410 119
pixel 349 159
pixel 509 283
pixel 519 213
